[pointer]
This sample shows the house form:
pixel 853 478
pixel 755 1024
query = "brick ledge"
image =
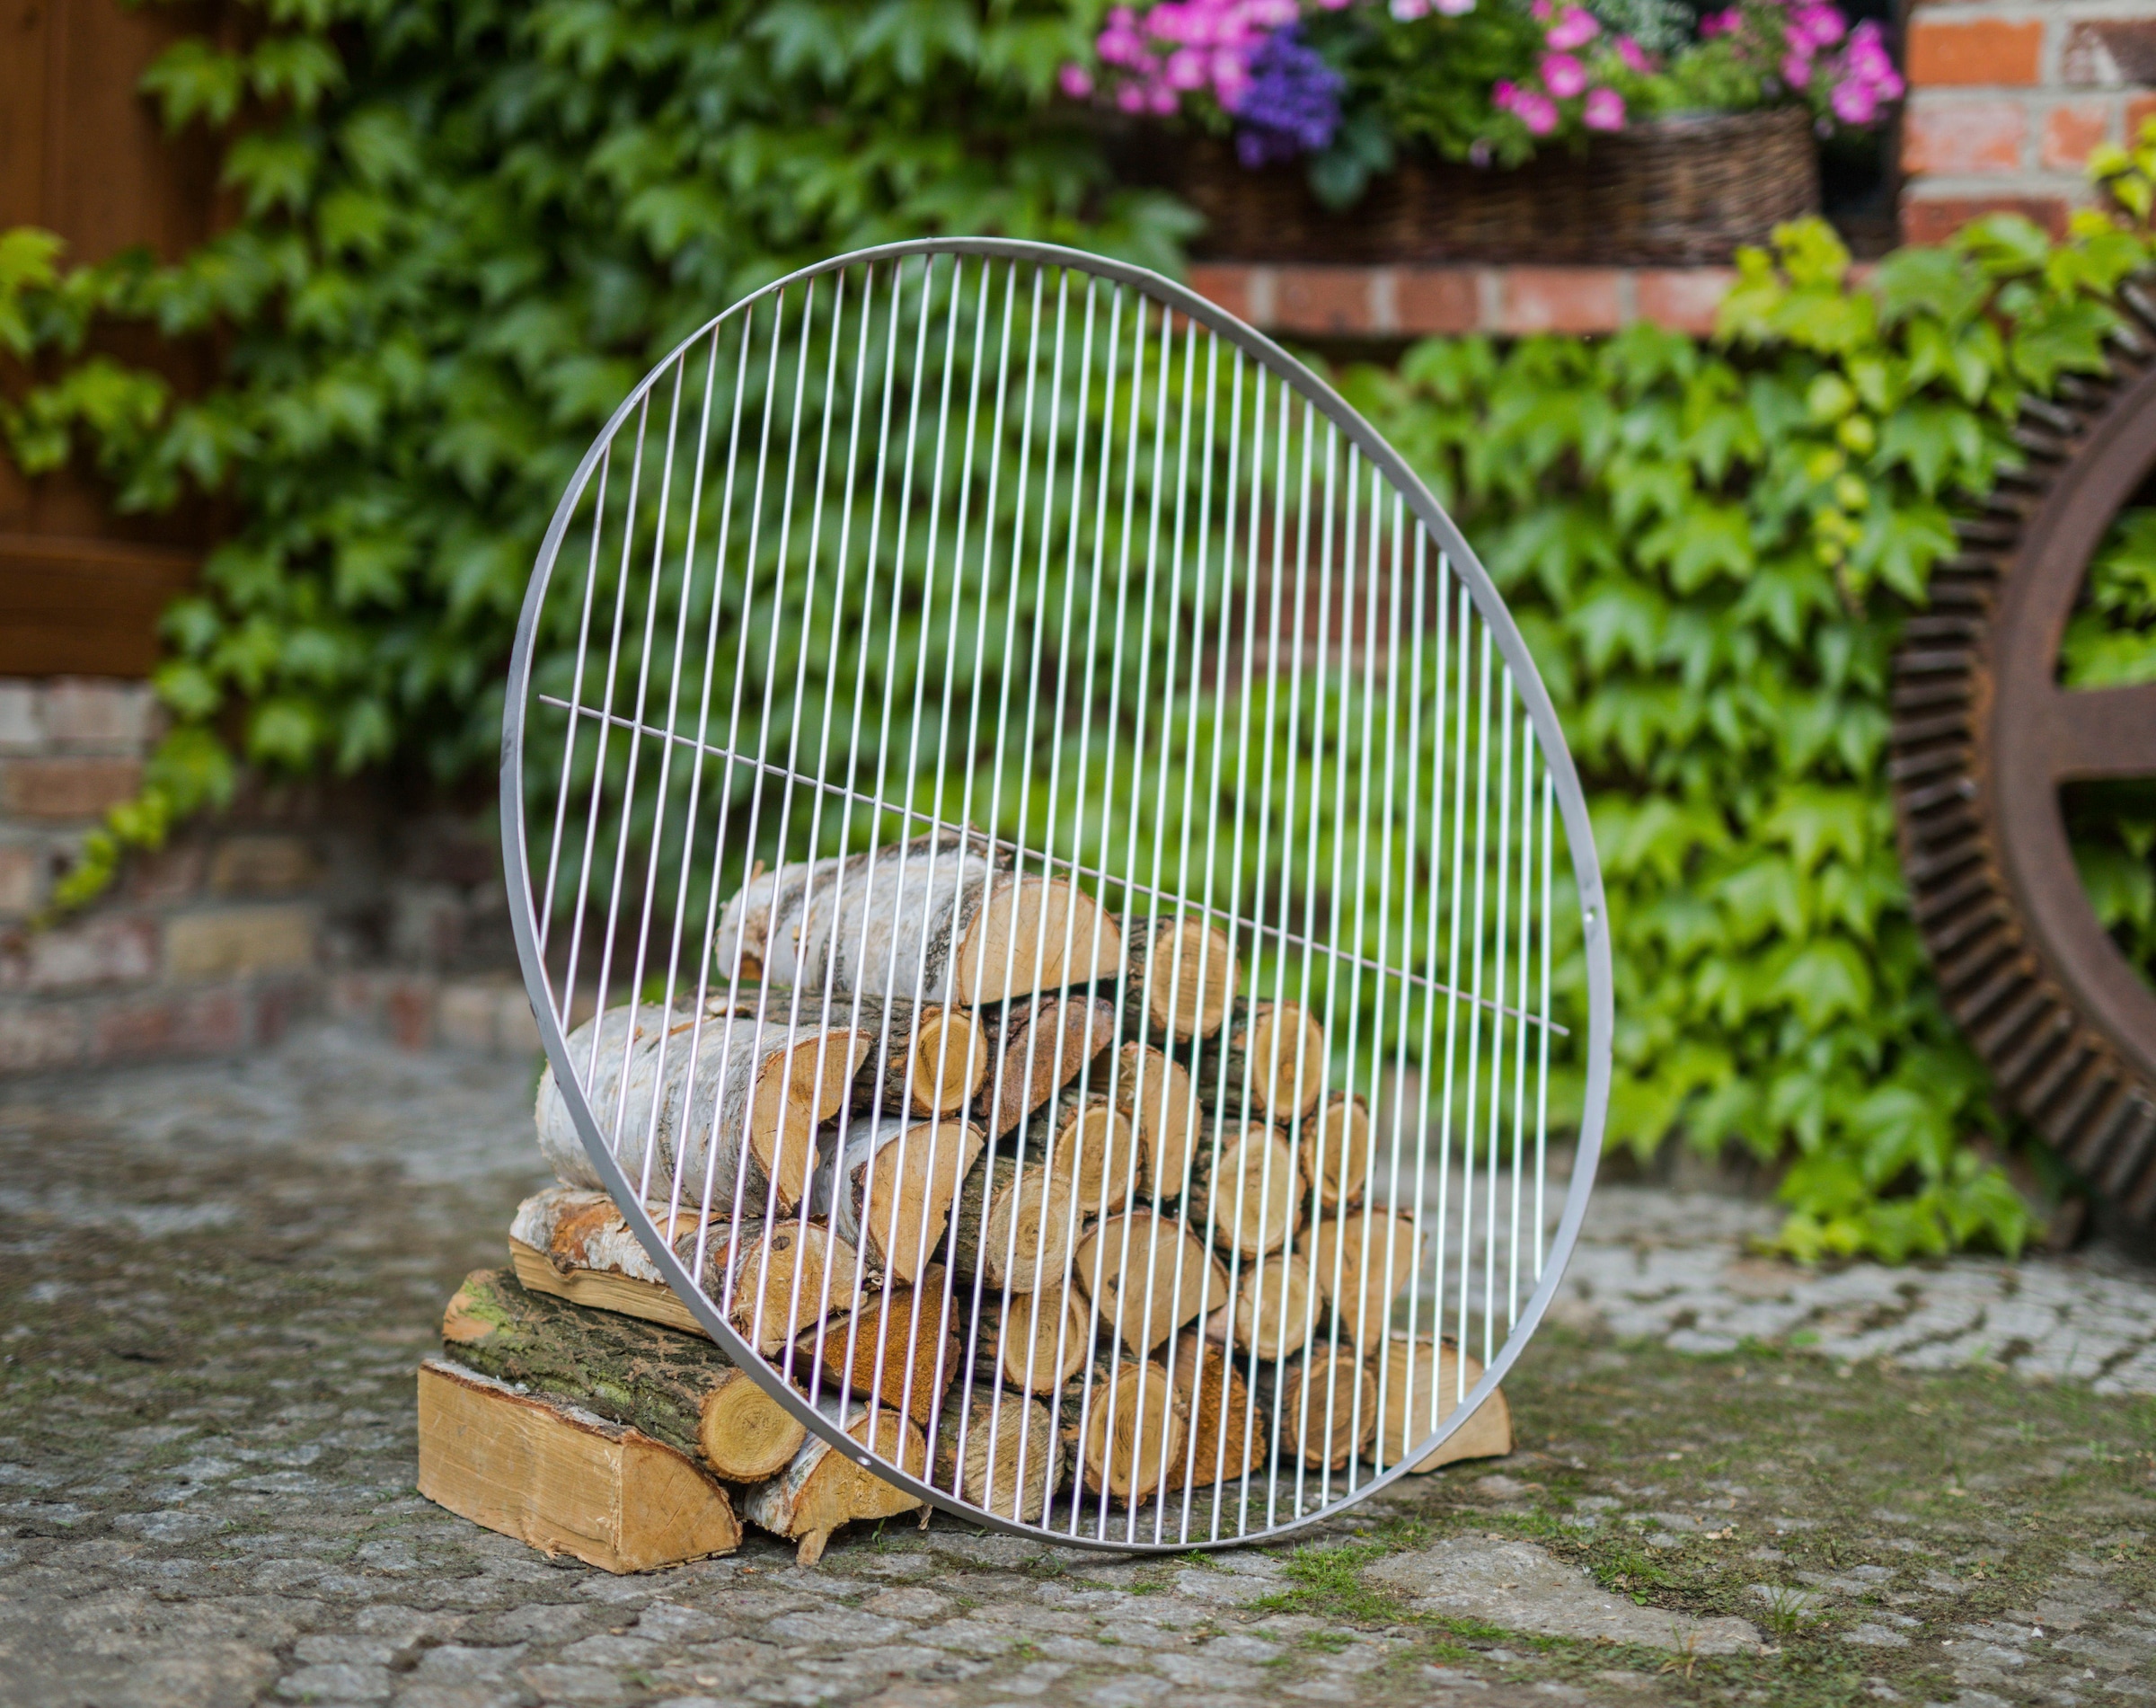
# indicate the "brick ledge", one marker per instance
pixel 1416 302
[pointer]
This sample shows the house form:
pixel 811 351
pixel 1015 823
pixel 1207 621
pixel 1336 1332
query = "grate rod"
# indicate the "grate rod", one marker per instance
pixel 934 823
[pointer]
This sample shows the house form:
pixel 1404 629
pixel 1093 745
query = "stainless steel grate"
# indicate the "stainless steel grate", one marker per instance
pixel 1056 903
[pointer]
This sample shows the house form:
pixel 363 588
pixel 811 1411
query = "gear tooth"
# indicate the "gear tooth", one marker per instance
pixel 2132 1146
pixel 2084 1094
pixel 1950 934
pixel 1971 963
pixel 2123 337
pixel 2060 421
pixel 2034 1026
pixel 1909 766
pixel 2085 1146
pixel 2134 294
pixel 1942 793
pixel 2039 1092
pixel 1927 660
pixel 2038 445
pixel 1987 530
pixel 1933 626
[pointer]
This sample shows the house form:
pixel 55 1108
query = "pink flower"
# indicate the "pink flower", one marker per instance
pixel 1575 28
pixel 1408 11
pixel 1186 69
pixel 1796 69
pixel 1164 100
pixel 1854 102
pixel 1720 23
pixel 1538 112
pixel 1633 54
pixel 1455 8
pixel 1605 111
pixel 1563 76
pixel 1131 98
pixel 1504 96
pixel 1076 81
pixel 1818 23
pixel 1542 9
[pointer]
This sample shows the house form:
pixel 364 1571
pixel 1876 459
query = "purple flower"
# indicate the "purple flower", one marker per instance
pixel 1854 102
pixel 1076 81
pixel 1563 76
pixel 1604 110
pixel 1538 112
pixel 1796 69
pixel 1292 103
pixel 1575 29
pixel 1633 54
pixel 1817 23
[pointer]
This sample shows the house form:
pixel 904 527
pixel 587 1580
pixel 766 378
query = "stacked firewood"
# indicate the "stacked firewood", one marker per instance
pixel 1030 1201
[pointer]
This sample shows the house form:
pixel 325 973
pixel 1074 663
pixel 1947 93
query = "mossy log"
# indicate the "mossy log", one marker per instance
pixel 677 1388
pixel 1181 975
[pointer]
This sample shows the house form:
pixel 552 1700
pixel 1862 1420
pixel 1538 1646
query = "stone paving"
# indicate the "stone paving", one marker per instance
pixel 217 1280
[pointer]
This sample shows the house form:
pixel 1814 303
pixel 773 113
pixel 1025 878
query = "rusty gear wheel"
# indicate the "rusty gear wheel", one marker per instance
pixel 1983 738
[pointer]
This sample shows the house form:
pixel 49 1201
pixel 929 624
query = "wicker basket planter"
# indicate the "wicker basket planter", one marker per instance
pixel 1670 192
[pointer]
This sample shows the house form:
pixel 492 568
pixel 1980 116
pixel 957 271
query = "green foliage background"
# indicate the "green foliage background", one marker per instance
pixel 469 226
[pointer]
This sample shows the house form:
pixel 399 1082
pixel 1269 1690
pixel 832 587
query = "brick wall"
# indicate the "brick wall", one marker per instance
pixel 2007 99
pixel 299 898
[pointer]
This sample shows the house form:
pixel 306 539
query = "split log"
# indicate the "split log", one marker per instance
pixel 575 1245
pixel 822 1489
pixel 1153 1090
pixel 1126 1431
pixel 1181 975
pixel 1419 1385
pixel 1147 1275
pixel 1038 1341
pixel 928 1060
pixel 1085 1140
pixel 677 1388
pixel 753 1074
pixel 1013 1231
pixel 1327 1414
pixel 1359 1263
pixel 889 1188
pixel 886 1350
pixel 1251 1196
pixel 937 917
pixel 560 1478
pixel 1341 1146
pixel 1001 1452
pixel 1227 1438
pixel 1268 1059
pixel 1277 1308
pixel 1036 1048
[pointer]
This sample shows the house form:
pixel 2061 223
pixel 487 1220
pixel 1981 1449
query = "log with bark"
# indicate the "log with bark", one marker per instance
pixel 998 1451
pixel 1359 1261
pixel 1323 1408
pixel 938 918
pixel 1153 1090
pixel 1124 1428
pixel 1227 1438
pixel 1014 1225
pixel 575 1245
pixel 1038 1341
pixel 901 1347
pixel 1420 1384
pixel 560 1479
pixel 1035 1048
pixel 889 1186
pixel 1181 975
pixel 677 1388
pixel 1147 1275
pixel 733 1098
pixel 821 1488
pixel 1340 1145
pixel 1084 1138
pixel 1275 1309
pixel 929 1059
pixel 1268 1059
pixel 1251 1196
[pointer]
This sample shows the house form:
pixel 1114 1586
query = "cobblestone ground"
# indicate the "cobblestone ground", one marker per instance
pixel 215 1282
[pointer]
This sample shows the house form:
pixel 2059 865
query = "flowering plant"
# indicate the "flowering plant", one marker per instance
pixel 1344 84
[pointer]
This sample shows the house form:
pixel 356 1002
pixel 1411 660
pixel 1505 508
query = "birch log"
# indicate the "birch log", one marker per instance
pixel 936 918
pixel 1227 1436
pixel 1084 1140
pixel 1359 1260
pixel 1181 974
pixel 820 1489
pixel 1000 1451
pixel 689 1099
pixel 1276 1311
pixel 1038 1341
pixel 1420 1384
pixel 1326 1406
pixel 1036 1048
pixel 1014 1225
pixel 1147 1276
pixel 1125 1428
pixel 900 1348
pixel 1341 1146
pixel 1252 1196
pixel 1153 1089
pixel 889 1189
pixel 677 1388
pixel 1268 1059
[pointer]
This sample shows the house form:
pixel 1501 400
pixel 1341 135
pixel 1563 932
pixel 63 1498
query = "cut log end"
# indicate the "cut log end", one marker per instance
pixel 1153 1090
pixel 1251 1198
pixel 1341 1143
pixel 1183 976
pixel 1422 1382
pixel 1130 1430
pixel 1000 1453
pixel 1147 1276
pixel 947 1062
pixel 1227 1438
pixel 1035 934
pixel 1326 1419
pixel 1275 1309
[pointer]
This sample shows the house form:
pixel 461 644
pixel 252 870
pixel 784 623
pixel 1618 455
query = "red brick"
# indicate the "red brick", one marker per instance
pixel 1979 51
pixel 1967 137
pixel 61 789
pixel 1559 299
pixel 1438 300
pixel 200 1022
pixel 23 871
pixel 1225 285
pixel 39 1035
pixel 1324 299
pixel 2140 110
pixel 2070 130
pixel 112 949
pixel 1685 299
pixel 2106 53
pixel 410 1005
pixel 89 710
pixel 171 873
pixel 1934 219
